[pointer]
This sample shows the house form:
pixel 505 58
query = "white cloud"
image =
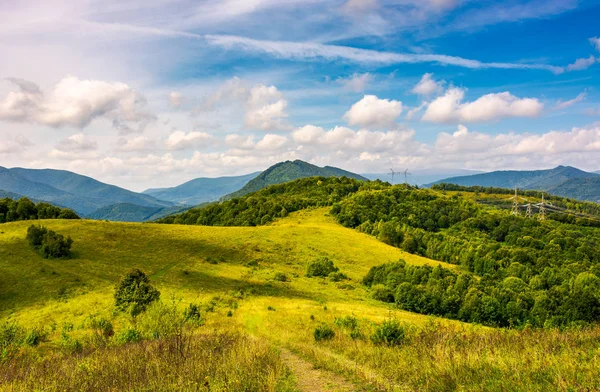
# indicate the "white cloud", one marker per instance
pixel 596 42
pixel 77 143
pixel 137 143
pixel 371 111
pixel 76 103
pixel 308 134
pixel 180 140
pixel 450 108
pixel 175 99
pixel 265 107
pixel 356 82
pixel 427 86
pixel 565 104
pixel 581 64
pixel 414 111
pixel 271 142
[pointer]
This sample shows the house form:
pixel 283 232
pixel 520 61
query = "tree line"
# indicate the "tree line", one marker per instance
pixel 24 209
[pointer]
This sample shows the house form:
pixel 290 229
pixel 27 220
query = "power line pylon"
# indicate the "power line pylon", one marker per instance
pixel 529 213
pixel 515 205
pixel 542 208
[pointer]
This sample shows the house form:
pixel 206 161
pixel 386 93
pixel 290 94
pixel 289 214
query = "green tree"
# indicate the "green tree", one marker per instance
pixel 134 293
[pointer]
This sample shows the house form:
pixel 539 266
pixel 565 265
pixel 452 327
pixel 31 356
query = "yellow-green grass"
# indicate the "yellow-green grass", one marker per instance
pixel 235 268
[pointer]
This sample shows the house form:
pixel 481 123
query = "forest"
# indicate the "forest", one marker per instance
pixel 24 209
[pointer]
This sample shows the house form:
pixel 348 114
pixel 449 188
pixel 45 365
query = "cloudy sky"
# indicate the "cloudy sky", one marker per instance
pixel 147 93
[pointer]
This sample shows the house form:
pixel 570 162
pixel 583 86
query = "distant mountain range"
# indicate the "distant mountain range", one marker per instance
pixel 201 190
pixel 126 212
pixel 289 171
pixel 66 189
pixel 563 181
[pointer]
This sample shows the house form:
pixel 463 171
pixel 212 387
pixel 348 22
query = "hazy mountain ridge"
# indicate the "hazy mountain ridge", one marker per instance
pixel 563 181
pixel 289 171
pixel 201 190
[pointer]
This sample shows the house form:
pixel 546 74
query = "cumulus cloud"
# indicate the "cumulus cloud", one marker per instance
pixel 581 64
pixel 271 142
pixel 137 143
pixel 180 140
pixel 450 108
pixel 265 107
pixel 565 104
pixel 371 111
pixel 427 86
pixel 357 82
pixel 414 111
pixel 596 42
pixel 77 143
pixel 76 103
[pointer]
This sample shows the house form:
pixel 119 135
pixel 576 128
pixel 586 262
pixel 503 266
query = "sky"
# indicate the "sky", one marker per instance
pixel 153 93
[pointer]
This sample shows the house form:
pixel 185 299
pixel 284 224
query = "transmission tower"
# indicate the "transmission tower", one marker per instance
pixel 529 213
pixel 515 205
pixel 542 207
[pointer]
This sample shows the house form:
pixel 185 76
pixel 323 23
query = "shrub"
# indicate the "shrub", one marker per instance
pixel 346 322
pixel 192 314
pixel 128 336
pixel 102 330
pixel 321 267
pixel 35 337
pixel 323 332
pixel 48 243
pixel 280 277
pixel 389 333
pixel 337 276
pixel 382 293
pixel 229 313
pixel 134 293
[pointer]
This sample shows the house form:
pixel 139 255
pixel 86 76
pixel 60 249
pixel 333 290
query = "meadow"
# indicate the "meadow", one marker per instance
pixel 259 313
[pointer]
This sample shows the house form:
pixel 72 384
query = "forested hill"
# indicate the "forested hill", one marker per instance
pixel 289 171
pixel 564 181
pixel 273 202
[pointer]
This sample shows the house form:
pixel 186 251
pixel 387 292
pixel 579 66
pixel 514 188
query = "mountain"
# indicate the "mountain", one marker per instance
pixel 127 212
pixel 563 179
pixel 80 193
pixel 289 171
pixel 579 188
pixel 9 195
pixel 201 190
pixel 420 177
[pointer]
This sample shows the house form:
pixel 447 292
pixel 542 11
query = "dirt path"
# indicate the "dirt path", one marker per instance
pixel 314 380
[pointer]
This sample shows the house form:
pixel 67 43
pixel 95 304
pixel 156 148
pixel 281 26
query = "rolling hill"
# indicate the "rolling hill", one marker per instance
pixel 63 188
pixel 544 180
pixel 289 171
pixel 201 190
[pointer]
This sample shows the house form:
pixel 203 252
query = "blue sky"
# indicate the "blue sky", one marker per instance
pixel 154 93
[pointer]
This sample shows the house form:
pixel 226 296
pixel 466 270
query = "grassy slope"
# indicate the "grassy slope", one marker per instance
pixel 443 357
pixel 36 290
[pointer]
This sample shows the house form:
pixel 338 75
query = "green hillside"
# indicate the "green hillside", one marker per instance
pixel 579 188
pixel 201 190
pixel 289 171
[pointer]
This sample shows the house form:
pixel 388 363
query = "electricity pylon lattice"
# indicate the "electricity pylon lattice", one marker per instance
pixel 515 205
pixel 529 212
pixel 542 208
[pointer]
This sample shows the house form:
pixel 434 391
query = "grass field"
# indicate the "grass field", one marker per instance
pixel 233 269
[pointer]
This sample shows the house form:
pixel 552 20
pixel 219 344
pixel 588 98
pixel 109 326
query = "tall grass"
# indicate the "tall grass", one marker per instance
pixel 211 362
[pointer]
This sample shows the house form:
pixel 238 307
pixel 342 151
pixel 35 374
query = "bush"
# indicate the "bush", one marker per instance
pixel 102 331
pixel 323 332
pixel 192 314
pixel 347 322
pixel 337 276
pixel 48 243
pixel 134 293
pixel 382 293
pixel 321 267
pixel 128 336
pixel 389 333
pixel 280 277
